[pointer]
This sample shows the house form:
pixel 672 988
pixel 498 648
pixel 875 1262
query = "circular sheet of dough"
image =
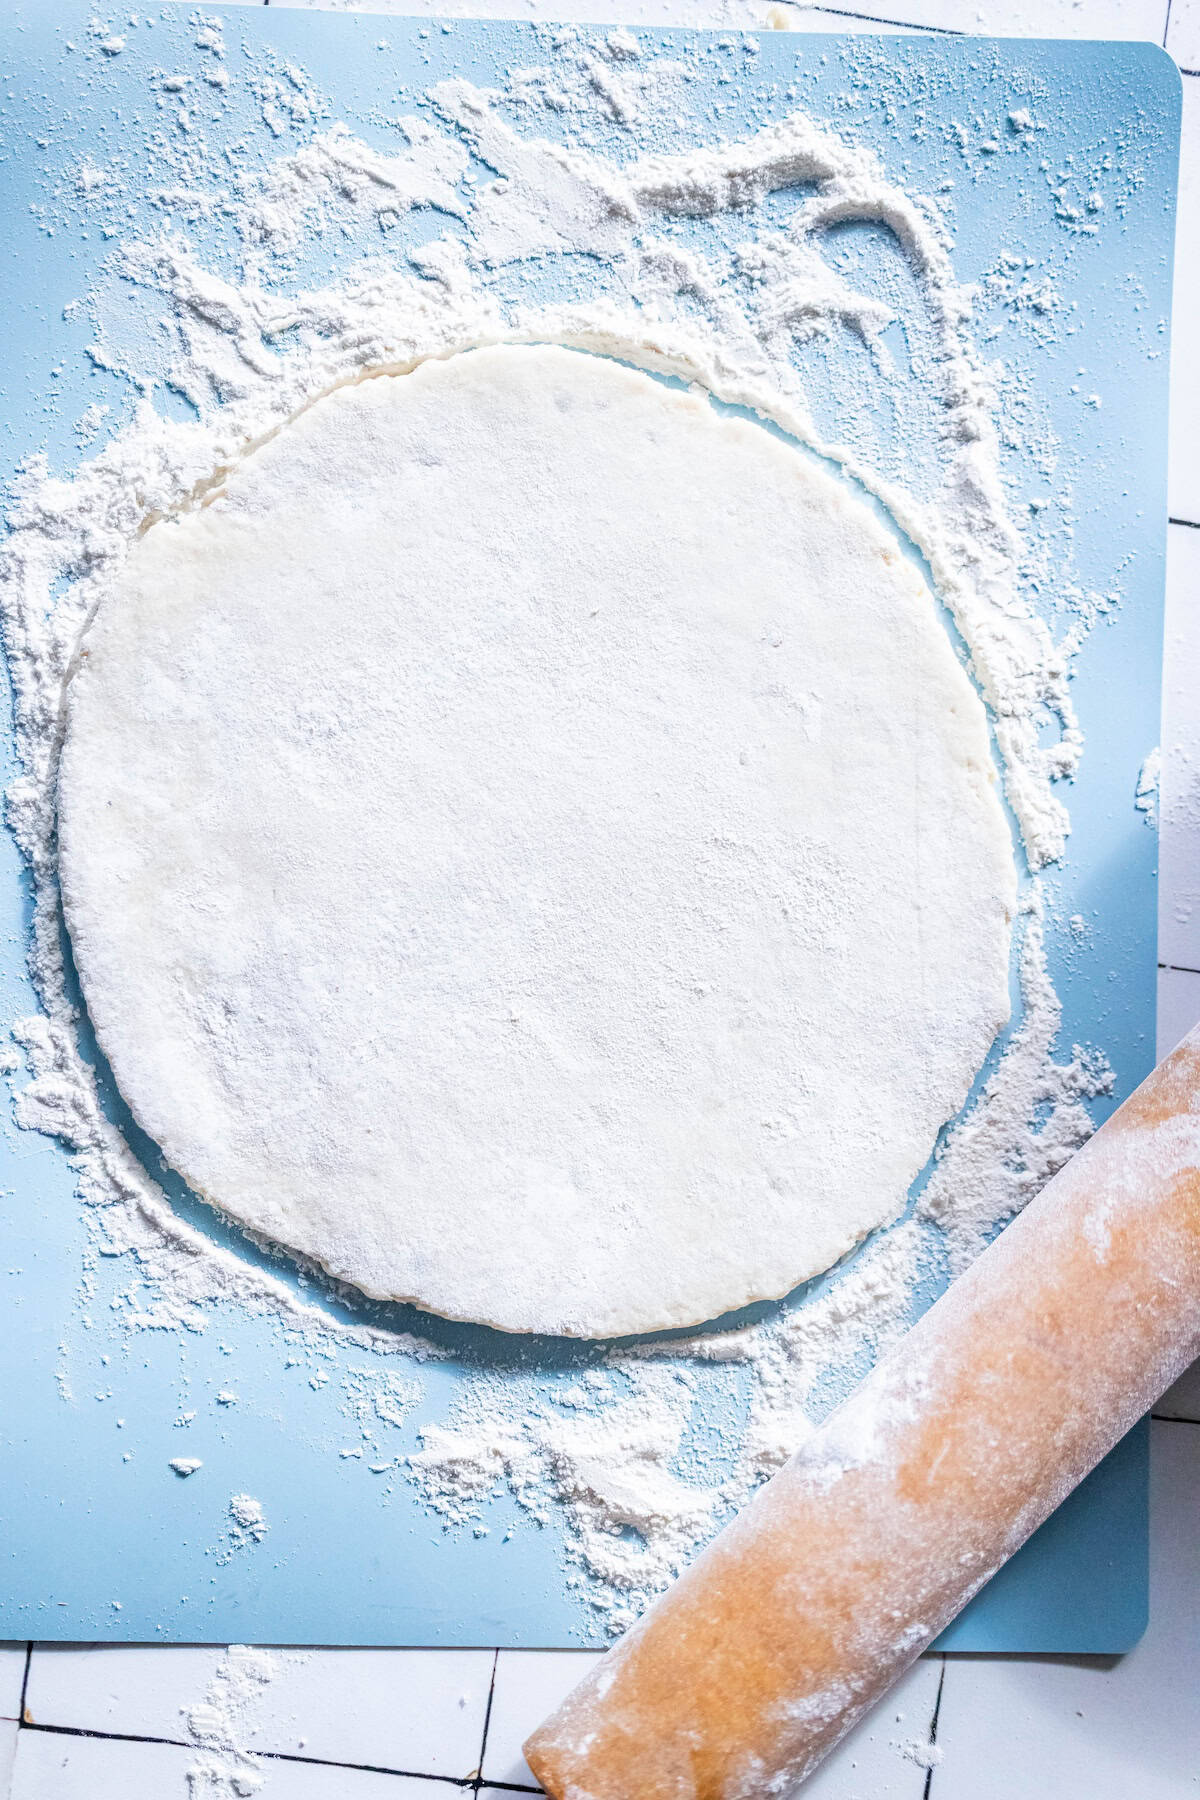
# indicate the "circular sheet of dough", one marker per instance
pixel 529 846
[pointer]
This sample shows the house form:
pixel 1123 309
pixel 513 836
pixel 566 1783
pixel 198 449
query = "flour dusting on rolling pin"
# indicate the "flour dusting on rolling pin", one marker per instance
pixel 806 1609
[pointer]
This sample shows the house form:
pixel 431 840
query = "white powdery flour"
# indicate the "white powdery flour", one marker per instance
pixel 616 1449
pixel 222 1724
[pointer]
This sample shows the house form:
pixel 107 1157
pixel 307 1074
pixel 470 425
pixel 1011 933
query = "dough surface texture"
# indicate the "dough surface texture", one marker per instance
pixel 529 846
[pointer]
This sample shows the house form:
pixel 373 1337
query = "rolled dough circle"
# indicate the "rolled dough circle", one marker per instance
pixel 529 846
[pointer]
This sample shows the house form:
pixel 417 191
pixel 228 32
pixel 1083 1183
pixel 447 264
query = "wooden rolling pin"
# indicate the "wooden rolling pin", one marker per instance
pixel 845 1566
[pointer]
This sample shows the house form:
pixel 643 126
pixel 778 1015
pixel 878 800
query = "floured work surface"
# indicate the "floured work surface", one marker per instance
pixel 297 202
pixel 498 835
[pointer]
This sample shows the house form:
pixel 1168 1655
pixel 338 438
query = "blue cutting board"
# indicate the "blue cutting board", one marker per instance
pixel 101 1541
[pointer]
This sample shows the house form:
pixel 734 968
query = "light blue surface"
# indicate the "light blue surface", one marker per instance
pixel 349 1557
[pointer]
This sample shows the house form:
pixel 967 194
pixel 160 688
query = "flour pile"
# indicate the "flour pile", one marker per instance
pixel 221 1724
pixel 682 262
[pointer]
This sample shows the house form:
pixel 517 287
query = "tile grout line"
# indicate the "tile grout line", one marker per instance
pixel 933 1729
pixel 24 1683
pixel 1167 23
pixel 119 1737
pixel 1188 524
pixel 462 1782
pixel 843 12
pixel 487 1719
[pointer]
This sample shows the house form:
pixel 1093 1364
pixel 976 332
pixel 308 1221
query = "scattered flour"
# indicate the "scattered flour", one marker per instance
pixel 247 1527
pixel 986 1172
pixel 917 1750
pixel 625 1449
pixel 223 1722
pixel 1146 796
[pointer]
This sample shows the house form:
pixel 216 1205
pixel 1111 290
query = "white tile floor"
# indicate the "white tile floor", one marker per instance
pixel 431 1723
pixel 55 1766
pixel 12 1677
pixel 111 1724
pixel 1183 34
